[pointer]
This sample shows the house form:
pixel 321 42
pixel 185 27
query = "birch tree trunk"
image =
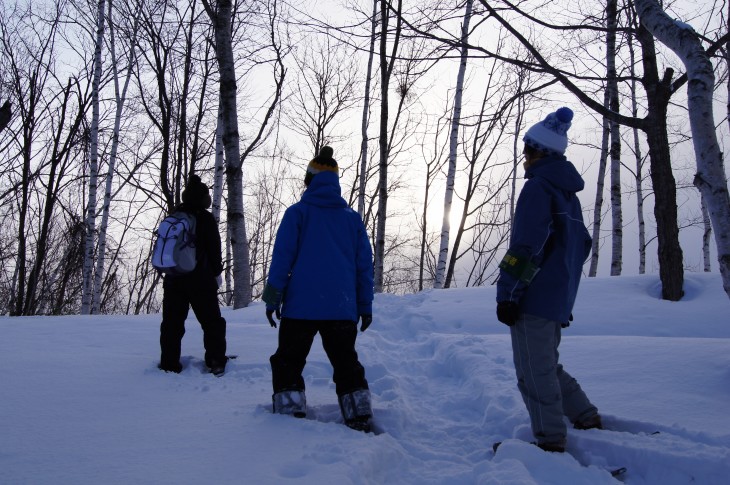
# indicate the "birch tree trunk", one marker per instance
pixel 639 173
pixel 613 103
pixel 706 236
pixel 220 168
pixel 654 124
pixel 220 15
pixel 121 97
pixel 600 186
pixel 710 178
pixel 87 287
pixel 453 146
pixel 365 116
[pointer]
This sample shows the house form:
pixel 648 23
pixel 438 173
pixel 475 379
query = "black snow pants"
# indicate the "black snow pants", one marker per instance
pixel 199 292
pixel 295 342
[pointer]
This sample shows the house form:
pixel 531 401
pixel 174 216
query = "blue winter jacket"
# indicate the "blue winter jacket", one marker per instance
pixel 548 229
pixel 322 260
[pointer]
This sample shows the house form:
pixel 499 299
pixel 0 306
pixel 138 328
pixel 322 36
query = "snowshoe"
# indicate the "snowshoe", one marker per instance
pixel 290 402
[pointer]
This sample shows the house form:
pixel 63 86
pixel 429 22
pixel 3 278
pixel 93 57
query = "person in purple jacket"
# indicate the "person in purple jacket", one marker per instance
pixel 538 282
pixel 320 281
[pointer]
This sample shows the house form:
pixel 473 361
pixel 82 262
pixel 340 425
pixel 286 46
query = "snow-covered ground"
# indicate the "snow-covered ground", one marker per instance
pixel 82 402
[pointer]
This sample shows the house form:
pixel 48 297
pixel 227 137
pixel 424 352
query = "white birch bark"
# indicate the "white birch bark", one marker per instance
pixel 365 117
pixel 706 236
pixel 453 146
pixel 220 168
pixel 220 15
pixel 613 102
pixel 120 98
pixel 639 162
pixel 600 186
pixel 710 178
pixel 87 288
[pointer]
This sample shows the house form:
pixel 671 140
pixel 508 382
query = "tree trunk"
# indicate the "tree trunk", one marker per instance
pixel 120 99
pixel 453 147
pixel 639 173
pixel 366 116
pixel 706 236
pixel 710 178
pixel 600 186
pixel 613 102
pixel 221 18
pixel 671 270
pixel 386 69
pixel 89 247
pixel 658 93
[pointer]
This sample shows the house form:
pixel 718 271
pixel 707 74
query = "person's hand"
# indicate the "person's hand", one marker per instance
pixel 507 312
pixel 567 324
pixel 365 320
pixel 272 297
pixel 270 311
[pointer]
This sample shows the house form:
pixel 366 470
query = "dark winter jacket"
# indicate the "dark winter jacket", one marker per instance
pixel 322 259
pixel 548 229
pixel 207 242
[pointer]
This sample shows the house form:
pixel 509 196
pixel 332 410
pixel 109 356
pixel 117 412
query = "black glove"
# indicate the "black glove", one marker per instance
pixel 272 297
pixel 270 311
pixel 567 324
pixel 507 312
pixel 366 321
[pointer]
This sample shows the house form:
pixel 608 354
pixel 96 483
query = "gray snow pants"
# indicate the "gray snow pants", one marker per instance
pixel 548 390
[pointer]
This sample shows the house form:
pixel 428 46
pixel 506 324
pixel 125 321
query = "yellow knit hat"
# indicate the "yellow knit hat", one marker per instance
pixel 321 163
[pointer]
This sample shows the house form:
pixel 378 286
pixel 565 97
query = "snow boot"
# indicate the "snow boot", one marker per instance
pixel 591 422
pixel 357 410
pixel 552 446
pixel 175 367
pixel 290 402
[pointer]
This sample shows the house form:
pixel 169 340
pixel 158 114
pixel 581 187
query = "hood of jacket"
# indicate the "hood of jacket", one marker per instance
pixel 557 170
pixel 324 191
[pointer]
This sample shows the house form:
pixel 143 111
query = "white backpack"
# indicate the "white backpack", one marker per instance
pixel 174 250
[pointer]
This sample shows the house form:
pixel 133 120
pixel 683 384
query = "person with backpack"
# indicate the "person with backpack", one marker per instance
pixel 538 282
pixel 196 288
pixel 320 281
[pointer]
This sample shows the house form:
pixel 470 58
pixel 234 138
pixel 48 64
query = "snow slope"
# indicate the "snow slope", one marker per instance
pixel 82 401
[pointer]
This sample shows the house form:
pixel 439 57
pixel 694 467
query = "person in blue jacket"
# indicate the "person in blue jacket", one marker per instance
pixel 538 282
pixel 320 281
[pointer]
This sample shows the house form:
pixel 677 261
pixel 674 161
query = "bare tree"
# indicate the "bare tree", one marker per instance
pixel 654 124
pixel 453 145
pixel 41 158
pixel 710 178
pixel 615 151
pixel 324 90
pixel 362 177
pixel 600 185
pixel 387 62
pixel 120 96
pixel 221 14
pixel 88 285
